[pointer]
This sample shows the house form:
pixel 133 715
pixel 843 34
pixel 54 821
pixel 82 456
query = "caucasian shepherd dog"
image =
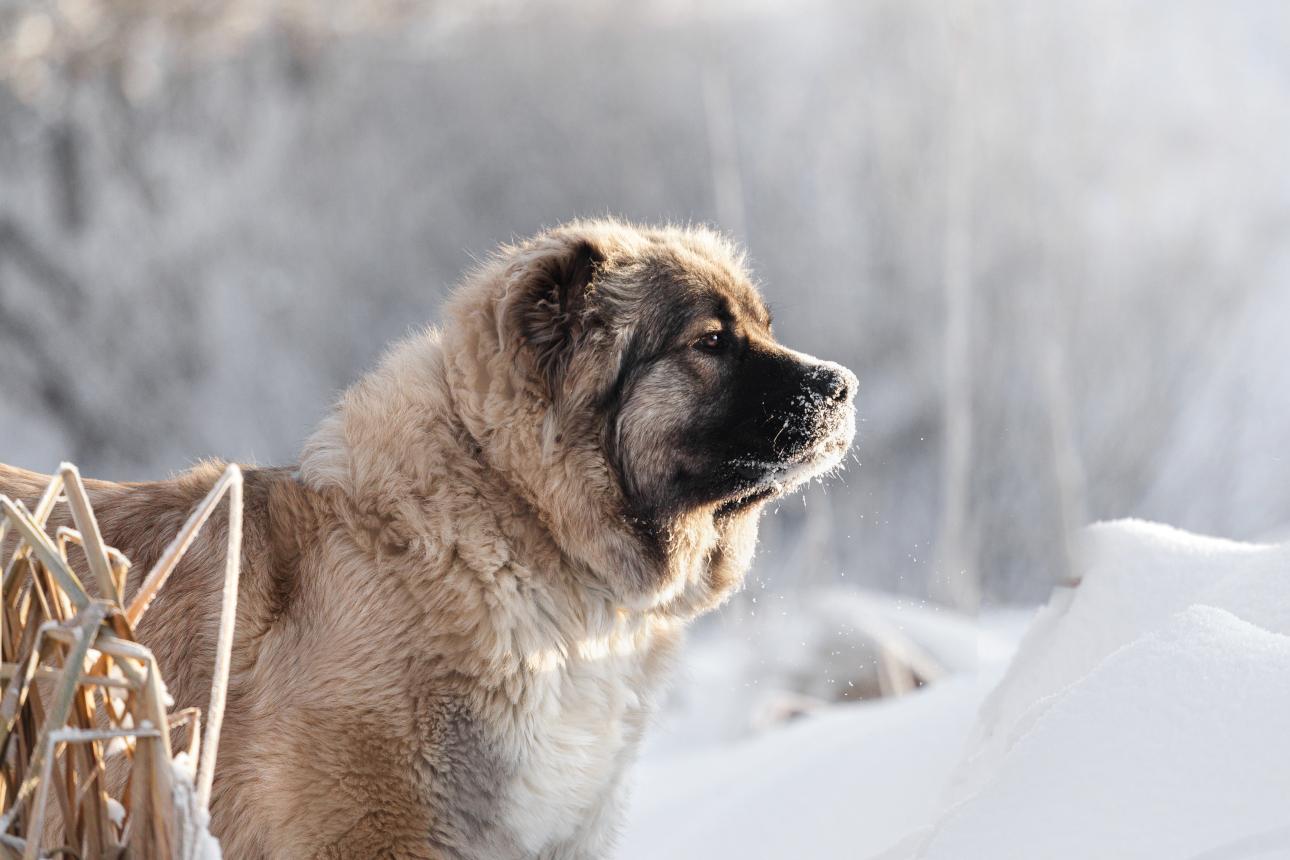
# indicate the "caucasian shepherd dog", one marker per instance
pixel 457 608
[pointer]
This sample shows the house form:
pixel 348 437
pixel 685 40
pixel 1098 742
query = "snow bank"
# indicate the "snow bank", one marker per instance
pixel 777 654
pixel 845 782
pixel 1144 716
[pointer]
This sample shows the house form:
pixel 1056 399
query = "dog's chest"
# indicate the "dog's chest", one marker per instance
pixel 577 735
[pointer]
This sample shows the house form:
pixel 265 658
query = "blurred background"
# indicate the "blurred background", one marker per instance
pixel 1051 239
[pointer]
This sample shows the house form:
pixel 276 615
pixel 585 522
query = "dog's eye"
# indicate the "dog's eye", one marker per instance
pixel 713 341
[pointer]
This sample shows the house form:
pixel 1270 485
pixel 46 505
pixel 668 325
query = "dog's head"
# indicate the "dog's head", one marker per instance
pixel 663 393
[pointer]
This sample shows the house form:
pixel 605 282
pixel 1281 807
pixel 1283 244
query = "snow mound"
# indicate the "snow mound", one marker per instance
pixel 1144 715
pixel 790 654
pixel 846 781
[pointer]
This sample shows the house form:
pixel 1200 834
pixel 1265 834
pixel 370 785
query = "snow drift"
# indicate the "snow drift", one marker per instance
pixel 1143 716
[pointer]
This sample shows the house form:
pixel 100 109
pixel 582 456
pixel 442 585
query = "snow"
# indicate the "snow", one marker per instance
pixel 772 655
pixel 1142 716
pixel 195 839
pixel 846 782
pixel 116 812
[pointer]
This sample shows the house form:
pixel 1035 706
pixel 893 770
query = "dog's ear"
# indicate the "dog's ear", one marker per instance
pixel 550 309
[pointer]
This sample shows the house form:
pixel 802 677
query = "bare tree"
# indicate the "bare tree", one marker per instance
pixel 957 577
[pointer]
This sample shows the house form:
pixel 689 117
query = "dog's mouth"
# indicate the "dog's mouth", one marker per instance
pixel 744 502
pixel 757 481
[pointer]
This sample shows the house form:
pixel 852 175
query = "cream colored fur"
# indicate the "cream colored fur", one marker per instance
pixel 451 638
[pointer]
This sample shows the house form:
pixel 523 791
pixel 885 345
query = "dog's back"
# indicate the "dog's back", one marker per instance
pixel 140 519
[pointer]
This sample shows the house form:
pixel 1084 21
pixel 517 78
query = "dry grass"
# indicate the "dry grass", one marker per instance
pixel 89 770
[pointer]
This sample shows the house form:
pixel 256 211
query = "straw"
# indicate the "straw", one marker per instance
pixel 75 680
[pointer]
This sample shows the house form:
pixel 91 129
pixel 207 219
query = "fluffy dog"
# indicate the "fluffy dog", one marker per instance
pixel 457 609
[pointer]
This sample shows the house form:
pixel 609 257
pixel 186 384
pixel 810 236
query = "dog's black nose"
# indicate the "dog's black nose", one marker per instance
pixel 833 383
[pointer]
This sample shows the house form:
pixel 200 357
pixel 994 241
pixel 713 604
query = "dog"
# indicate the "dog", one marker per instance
pixel 458 609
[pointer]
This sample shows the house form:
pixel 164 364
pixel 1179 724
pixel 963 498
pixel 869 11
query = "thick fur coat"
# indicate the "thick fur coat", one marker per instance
pixel 457 610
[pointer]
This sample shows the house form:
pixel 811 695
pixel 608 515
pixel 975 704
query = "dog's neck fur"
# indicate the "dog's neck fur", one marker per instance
pixel 476 391
pixel 551 651
pixel 386 450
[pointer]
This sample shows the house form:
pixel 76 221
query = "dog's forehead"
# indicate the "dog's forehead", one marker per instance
pixel 708 284
pixel 751 307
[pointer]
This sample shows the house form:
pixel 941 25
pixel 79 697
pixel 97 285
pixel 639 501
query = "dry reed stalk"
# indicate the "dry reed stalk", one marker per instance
pixel 79 691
